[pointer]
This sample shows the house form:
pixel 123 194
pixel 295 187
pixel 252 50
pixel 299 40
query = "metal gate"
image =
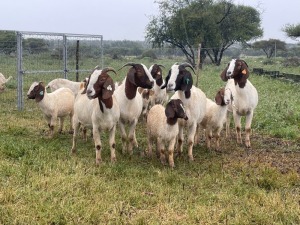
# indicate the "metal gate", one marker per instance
pixel 45 56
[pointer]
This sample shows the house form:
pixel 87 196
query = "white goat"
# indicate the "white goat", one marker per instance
pixel 60 82
pixel 160 95
pixel 162 126
pixel 244 94
pixel 194 101
pixel 57 104
pixel 215 116
pixel 131 103
pixel 3 81
pixel 97 108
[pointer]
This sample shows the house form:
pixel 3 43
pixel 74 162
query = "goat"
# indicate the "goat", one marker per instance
pixel 162 125
pixel 57 104
pixel 3 81
pixel 215 116
pixel 159 96
pixel 97 108
pixel 194 100
pixel 131 103
pixel 244 94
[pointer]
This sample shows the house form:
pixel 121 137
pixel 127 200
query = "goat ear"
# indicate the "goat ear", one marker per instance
pixel 86 83
pixel 223 74
pixel 244 69
pixel 131 75
pixel 108 88
pixel 40 92
pixel 166 80
pixel 219 98
pixel 187 82
pixel 169 111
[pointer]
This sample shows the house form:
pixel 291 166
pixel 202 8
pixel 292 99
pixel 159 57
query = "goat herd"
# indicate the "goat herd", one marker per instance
pixel 99 104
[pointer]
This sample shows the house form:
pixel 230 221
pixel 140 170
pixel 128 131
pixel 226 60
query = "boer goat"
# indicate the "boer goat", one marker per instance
pixel 244 94
pixel 131 103
pixel 194 100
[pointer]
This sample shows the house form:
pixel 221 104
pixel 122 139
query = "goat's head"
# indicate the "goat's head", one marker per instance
pixel 223 97
pixel 36 91
pixel 238 70
pixel 175 109
pixel 100 84
pixel 179 78
pixel 139 75
pixel 156 73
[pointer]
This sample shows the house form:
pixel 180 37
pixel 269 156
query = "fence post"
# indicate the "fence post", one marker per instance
pixel 20 71
pixel 77 60
pixel 65 55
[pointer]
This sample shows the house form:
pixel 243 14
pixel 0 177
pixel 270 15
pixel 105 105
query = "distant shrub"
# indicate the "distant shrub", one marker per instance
pixel 291 62
pixel 149 54
pixel 268 62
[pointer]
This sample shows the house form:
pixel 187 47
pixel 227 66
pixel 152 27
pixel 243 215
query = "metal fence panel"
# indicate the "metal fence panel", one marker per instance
pixel 40 56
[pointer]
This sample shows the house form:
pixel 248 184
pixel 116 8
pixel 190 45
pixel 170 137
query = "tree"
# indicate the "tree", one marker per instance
pixel 292 30
pixel 269 46
pixel 8 42
pixel 35 45
pixel 216 25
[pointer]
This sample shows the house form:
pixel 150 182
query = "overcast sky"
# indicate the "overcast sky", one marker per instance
pixel 122 19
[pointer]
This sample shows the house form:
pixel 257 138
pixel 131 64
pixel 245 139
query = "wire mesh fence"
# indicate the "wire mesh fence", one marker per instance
pixel 35 56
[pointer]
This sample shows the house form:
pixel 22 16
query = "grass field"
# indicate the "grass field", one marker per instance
pixel 41 183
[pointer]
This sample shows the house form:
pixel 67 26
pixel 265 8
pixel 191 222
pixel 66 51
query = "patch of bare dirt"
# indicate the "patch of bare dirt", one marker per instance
pixel 275 152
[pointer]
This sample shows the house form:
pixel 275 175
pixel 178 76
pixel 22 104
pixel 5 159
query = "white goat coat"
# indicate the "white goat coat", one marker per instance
pixel 87 112
pixel 195 106
pixel 244 99
pixel 157 124
pixel 59 103
pixel 130 109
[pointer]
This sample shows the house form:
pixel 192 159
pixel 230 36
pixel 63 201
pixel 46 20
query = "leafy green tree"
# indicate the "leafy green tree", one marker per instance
pixel 215 24
pixel 292 30
pixel 269 46
pixel 8 42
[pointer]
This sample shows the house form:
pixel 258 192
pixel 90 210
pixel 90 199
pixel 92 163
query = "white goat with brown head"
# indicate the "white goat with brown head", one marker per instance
pixel 97 108
pixel 131 103
pixel 179 79
pixel 244 94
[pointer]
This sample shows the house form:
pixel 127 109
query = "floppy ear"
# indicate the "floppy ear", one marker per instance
pixel 40 92
pixel 223 74
pixel 244 69
pixel 187 82
pixel 130 75
pixel 166 80
pixel 87 81
pixel 108 88
pixel 219 98
pixel 169 111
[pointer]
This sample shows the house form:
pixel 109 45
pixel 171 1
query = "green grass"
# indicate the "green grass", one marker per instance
pixel 41 183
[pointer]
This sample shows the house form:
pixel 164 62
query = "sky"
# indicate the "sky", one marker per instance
pixel 122 19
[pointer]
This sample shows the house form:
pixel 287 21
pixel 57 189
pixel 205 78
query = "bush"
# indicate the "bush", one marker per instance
pixel 291 62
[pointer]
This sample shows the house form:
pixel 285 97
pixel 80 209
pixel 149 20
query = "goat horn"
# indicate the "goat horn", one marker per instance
pixel 127 64
pixel 161 65
pixel 188 65
pixel 107 69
